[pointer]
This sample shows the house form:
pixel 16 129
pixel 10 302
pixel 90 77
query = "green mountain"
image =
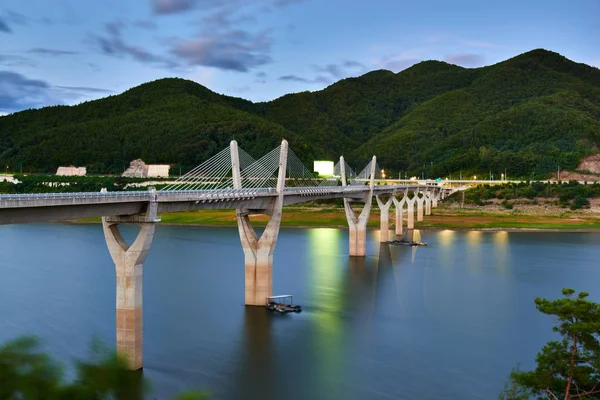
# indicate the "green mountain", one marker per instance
pixel 527 114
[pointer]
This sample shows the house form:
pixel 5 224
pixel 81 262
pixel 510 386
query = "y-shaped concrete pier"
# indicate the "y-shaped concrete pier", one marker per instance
pixel 384 218
pixel 129 262
pixel 428 196
pixel 420 203
pixel 410 211
pixel 358 224
pixel 258 252
pixel 399 205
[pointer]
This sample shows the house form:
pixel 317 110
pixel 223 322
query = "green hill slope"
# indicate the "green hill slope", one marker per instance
pixel 166 121
pixel 527 114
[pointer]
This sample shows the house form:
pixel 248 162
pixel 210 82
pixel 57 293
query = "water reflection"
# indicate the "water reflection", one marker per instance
pixel 474 249
pixel 256 366
pixel 446 246
pixel 501 251
pixel 413 235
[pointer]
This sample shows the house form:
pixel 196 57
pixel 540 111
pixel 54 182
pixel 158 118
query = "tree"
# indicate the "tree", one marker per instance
pixel 568 368
pixel 27 373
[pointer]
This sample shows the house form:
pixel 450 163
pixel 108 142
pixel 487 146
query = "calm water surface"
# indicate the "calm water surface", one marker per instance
pixel 445 321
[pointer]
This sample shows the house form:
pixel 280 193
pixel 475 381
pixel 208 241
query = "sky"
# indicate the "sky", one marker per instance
pixel 70 51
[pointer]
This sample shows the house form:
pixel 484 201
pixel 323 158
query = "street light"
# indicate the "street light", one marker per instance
pixel 382 173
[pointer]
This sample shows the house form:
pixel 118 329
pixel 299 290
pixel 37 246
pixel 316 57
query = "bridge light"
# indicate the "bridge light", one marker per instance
pixel 474 177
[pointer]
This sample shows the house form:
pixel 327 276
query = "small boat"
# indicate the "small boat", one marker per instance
pixel 282 304
pixel 407 243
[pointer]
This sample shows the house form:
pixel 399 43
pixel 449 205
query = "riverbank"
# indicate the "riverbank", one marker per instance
pixel 444 217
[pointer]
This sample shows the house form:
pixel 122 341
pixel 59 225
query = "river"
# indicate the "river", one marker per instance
pixel 445 321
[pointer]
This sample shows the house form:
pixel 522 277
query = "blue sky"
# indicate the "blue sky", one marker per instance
pixel 69 51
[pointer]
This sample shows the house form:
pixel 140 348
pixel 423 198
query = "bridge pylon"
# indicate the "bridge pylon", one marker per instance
pixel 129 260
pixel 258 252
pixel 358 224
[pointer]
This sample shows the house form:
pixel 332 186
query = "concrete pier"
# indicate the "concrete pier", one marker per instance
pixel 428 196
pixel 384 218
pixel 358 224
pixel 410 211
pixel 420 204
pixel 436 197
pixel 399 205
pixel 258 252
pixel 129 260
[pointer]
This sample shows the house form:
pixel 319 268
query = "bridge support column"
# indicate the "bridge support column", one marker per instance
pixel 436 197
pixel 258 252
pixel 428 196
pixel 358 224
pixel 129 260
pixel 384 218
pixel 420 203
pixel 410 211
pixel 399 205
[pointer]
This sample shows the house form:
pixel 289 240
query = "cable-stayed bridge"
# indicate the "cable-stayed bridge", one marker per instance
pixel 231 179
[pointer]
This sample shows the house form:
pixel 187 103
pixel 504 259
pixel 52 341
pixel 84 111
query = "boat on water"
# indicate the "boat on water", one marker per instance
pixel 282 304
pixel 407 243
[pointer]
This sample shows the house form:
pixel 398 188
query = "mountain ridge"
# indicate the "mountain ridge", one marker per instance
pixel 433 118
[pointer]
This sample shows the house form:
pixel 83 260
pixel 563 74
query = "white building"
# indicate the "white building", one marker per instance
pixel 139 169
pixel 71 171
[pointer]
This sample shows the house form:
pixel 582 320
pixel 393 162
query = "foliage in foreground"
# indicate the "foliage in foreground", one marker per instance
pixel 27 373
pixel 568 368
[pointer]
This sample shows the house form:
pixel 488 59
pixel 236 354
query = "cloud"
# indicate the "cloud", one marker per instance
pixel 295 78
pixel 51 52
pixel 179 6
pixel 4 26
pixel 16 61
pixel 286 2
pixel 342 70
pixel 328 73
pixel 18 92
pixel 235 50
pixel 171 6
pixel 145 24
pixel 114 45
pixel 465 59
pixel 84 89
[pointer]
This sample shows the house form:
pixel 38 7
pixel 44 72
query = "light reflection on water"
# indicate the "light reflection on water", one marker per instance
pixel 453 317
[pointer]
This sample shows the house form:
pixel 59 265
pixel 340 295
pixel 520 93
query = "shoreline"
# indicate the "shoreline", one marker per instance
pixel 448 217
pixel 369 228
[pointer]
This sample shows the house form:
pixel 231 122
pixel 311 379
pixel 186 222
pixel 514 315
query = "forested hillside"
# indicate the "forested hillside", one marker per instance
pixel 528 114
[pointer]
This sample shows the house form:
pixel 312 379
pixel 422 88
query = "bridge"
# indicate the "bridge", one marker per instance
pixel 231 179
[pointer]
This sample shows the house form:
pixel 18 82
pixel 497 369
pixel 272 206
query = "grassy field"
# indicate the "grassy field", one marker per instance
pixel 443 218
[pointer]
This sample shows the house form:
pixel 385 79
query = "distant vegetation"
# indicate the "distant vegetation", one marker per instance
pixel 528 114
pixel 55 184
pixel 566 194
